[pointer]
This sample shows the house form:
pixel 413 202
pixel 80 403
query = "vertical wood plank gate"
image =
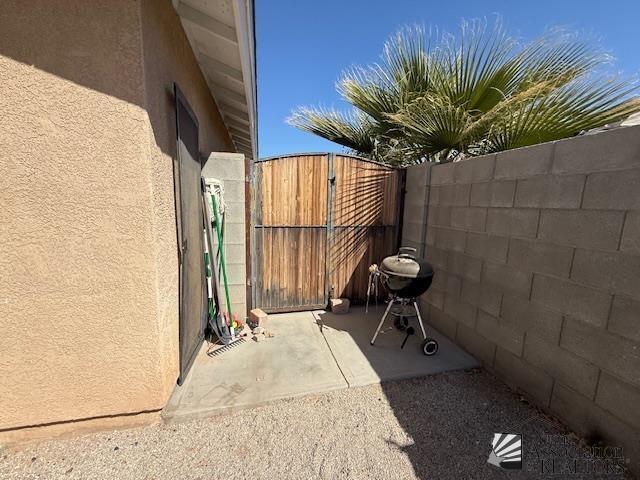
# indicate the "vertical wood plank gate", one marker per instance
pixel 319 221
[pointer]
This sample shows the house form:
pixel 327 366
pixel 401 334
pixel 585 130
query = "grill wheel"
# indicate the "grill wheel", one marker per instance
pixel 429 347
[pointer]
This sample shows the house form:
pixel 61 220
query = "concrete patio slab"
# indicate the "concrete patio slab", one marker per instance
pixel 349 336
pixel 296 362
pixel 311 353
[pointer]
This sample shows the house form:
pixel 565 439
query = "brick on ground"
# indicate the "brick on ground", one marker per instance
pixel 340 305
pixel 258 316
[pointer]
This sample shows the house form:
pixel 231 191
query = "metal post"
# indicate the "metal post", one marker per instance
pixel 331 181
pixel 415 305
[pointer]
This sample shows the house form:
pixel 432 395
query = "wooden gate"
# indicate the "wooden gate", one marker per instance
pixel 319 221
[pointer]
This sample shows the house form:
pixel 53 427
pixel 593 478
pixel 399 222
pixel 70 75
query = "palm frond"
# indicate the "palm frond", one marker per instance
pixel 437 96
pixel 352 130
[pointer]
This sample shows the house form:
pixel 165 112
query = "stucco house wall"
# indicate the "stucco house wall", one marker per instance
pixel 168 58
pixel 89 291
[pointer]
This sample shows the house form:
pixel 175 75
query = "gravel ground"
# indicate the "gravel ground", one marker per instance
pixel 438 427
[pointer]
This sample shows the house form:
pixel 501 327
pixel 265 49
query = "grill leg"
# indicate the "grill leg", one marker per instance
pixel 415 305
pixel 375 335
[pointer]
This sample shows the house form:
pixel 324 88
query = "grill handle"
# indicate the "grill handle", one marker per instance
pixel 407 252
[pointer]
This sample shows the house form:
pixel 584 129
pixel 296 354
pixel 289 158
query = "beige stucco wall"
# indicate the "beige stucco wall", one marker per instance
pixel 89 290
pixel 168 58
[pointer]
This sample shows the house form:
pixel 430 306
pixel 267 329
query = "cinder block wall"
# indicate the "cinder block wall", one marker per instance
pixel 537 260
pixel 230 169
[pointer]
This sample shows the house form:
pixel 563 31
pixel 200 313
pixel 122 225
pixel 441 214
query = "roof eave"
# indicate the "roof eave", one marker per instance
pixel 231 80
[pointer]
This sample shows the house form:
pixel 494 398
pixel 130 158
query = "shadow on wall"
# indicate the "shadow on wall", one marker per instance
pixel 353 250
pixel 291 248
pixel 450 418
pixel 132 51
pixel 363 227
pixel 88 112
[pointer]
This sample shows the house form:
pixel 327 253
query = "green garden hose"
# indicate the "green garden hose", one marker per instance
pixel 221 252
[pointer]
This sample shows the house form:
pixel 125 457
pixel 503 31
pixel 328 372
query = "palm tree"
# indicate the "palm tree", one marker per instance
pixel 438 97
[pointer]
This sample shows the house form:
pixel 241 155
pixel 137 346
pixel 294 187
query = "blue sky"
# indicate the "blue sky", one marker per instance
pixel 304 45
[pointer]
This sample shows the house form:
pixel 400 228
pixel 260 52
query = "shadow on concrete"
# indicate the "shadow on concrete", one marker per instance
pixel 450 412
pixel 349 335
pixel 302 359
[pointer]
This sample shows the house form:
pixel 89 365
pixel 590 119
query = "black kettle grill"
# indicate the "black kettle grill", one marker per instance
pixel 406 277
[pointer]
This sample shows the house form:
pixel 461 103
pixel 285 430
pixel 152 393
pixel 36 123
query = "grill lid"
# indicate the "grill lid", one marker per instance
pixel 406 265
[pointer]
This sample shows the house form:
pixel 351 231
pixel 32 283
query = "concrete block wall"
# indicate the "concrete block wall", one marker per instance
pixel 537 272
pixel 230 169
